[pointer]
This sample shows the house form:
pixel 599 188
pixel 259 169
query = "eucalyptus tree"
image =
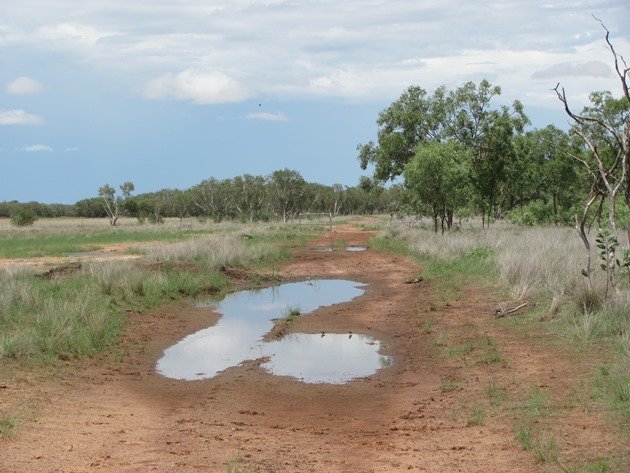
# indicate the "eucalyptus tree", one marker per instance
pixel 209 197
pixel 465 115
pixel 250 196
pixel 286 191
pixel 437 177
pixel 112 203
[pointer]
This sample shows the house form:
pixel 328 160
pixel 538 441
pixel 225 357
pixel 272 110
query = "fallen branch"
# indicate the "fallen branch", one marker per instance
pixel 502 313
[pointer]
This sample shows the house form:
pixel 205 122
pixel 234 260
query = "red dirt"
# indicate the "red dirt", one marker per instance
pixel 116 414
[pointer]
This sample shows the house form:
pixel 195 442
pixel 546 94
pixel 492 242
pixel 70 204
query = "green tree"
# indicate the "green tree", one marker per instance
pixel 112 203
pixel 23 217
pixel 438 178
pixel 286 190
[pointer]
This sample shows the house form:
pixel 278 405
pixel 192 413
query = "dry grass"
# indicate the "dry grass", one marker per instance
pixel 213 249
pixel 530 261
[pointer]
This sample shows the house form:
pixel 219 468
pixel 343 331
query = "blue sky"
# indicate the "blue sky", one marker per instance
pixel 167 93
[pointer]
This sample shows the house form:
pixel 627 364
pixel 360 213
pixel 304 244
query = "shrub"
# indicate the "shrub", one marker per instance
pixel 23 218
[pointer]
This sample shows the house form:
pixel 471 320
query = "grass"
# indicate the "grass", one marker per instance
pixel 459 351
pixel 597 466
pixel 8 426
pixel 542 445
pixel 449 385
pixel 495 393
pixel 539 265
pixel 28 245
pixel 83 313
pixel 477 417
pixel 282 325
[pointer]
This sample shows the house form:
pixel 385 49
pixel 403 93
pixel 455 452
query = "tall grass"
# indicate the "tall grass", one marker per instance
pixel 80 313
pixel 540 264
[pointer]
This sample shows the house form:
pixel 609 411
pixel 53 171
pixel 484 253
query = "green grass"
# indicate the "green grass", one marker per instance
pixel 496 393
pixel 83 313
pixel 597 466
pixel 8 426
pixel 612 387
pixel 542 445
pixel 477 417
pixel 459 351
pixel 449 385
pixel 28 245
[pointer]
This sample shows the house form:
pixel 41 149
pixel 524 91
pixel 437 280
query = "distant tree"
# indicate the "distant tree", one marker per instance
pixel 113 203
pixel 90 208
pixel 23 217
pixel 438 178
pixel 465 115
pixel 286 190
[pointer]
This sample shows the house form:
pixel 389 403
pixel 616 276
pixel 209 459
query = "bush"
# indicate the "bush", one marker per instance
pixel 23 218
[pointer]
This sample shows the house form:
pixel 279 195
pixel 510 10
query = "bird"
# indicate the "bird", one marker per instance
pixel 323 334
pixel 350 332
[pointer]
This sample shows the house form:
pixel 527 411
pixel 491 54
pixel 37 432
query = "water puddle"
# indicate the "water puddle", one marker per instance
pixel 248 315
pixel 326 249
pixel 322 249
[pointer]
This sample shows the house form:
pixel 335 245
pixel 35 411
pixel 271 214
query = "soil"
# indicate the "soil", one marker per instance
pixel 115 413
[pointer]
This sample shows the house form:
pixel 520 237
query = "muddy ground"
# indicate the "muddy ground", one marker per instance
pixel 115 413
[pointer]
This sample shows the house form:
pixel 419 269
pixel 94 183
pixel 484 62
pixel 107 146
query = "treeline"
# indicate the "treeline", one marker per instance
pixel 460 155
pixel 281 195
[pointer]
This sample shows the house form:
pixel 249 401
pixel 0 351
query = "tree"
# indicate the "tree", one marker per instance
pixel 604 127
pixel 23 217
pixel 113 203
pixel 414 118
pixel 464 115
pixel 286 192
pixel 437 178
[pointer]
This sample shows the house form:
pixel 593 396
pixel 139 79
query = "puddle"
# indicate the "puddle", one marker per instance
pixel 248 315
pixel 333 358
pixel 322 249
pixel 325 249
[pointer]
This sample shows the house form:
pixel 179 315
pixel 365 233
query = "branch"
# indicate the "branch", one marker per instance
pixel 583 119
pixel 621 73
pixel 502 313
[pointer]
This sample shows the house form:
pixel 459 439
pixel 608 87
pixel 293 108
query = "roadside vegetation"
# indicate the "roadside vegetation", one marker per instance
pixel 79 309
pixel 539 269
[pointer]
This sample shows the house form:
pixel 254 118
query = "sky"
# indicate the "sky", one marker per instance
pixel 168 93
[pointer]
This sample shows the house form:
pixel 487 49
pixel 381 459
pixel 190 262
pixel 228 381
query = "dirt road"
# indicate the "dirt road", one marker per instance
pixel 116 414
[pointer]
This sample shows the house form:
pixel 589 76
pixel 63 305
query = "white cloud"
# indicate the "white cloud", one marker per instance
pixel 354 49
pixel 19 117
pixel 36 148
pixel 72 149
pixel 24 86
pixel 200 87
pixel 585 69
pixel 73 33
pixel 266 116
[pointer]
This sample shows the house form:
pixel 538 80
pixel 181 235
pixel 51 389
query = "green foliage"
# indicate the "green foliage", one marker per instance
pixel 477 417
pixel 23 217
pixel 437 177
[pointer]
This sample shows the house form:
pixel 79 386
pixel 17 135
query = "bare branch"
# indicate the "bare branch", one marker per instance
pixel 622 73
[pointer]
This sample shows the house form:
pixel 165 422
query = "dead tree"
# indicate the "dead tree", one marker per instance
pixel 610 177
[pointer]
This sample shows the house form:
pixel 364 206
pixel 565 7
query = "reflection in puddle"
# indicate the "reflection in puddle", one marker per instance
pixel 334 358
pixel 248 315
pixel 356 248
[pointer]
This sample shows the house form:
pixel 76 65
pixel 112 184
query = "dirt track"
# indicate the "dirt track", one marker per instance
pixel 116 414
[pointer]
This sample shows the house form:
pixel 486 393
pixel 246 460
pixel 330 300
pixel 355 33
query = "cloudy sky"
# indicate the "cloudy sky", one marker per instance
pixel 167 93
